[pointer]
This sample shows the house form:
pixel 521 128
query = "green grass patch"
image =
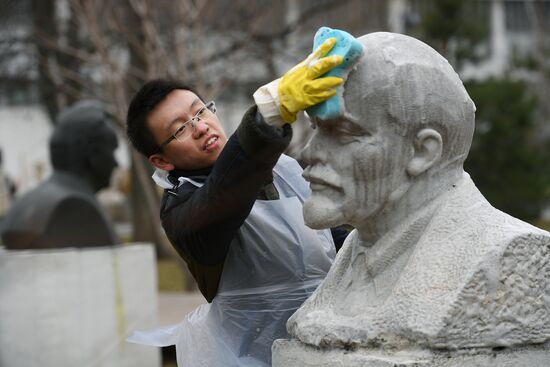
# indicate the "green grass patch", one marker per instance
pixel 170 276
pixel 544 224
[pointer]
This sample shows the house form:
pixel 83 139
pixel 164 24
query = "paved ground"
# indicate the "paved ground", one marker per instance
pixel 174 306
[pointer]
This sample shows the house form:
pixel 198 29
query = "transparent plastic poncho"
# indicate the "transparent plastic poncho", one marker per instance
pixel 273 265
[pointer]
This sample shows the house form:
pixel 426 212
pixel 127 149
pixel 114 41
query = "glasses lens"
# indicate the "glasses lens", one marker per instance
pixel 186 130
pixel 199 114
pixel 211 106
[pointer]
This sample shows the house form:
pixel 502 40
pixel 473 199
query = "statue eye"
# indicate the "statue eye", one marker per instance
pixel 353 130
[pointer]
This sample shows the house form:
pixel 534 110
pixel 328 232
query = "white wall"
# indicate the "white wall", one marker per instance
pixel 24 133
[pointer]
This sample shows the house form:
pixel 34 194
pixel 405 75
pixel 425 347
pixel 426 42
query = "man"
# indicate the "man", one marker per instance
pixel 63 211
pixel 232 209
pixel 431 263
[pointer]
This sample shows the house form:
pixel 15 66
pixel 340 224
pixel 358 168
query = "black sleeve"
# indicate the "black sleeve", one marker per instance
pixel 202 222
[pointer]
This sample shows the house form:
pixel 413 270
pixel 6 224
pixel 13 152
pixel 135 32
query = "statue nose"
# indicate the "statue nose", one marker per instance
pixel 314 152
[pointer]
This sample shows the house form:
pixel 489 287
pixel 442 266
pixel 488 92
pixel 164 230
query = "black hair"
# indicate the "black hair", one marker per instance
pixel 143 102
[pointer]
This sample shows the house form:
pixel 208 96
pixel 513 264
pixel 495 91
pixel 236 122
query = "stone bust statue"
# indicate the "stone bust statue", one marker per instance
pixel 431 265
pixel 63 210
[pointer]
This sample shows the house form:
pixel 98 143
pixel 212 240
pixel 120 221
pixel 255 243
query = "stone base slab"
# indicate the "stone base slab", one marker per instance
pixel 292 353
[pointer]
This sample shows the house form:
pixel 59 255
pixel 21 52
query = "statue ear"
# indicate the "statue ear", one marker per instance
pixel 428 147
pixel 159 161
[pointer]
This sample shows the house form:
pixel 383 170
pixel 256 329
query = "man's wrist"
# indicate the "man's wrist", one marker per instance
pixel 267 99
pixel 260 140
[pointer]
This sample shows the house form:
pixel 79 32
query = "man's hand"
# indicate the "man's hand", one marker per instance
pixel 302 87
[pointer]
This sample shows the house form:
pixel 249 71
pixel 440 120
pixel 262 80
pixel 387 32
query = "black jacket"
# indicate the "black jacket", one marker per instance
pixel 202 222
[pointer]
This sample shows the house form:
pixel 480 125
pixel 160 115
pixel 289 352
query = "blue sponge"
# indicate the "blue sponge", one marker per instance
pixel 351 50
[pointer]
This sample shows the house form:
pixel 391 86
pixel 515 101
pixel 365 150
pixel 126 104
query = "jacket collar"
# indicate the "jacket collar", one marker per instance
pixel 173 179
pixel 175 173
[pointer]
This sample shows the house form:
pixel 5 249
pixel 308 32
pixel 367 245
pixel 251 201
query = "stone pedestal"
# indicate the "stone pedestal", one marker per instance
pixel 75 307
pixel 292 353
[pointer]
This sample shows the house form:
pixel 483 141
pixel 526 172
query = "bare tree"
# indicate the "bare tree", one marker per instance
pixel 106 50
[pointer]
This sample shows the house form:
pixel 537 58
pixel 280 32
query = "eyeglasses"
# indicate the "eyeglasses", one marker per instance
pixel 183 132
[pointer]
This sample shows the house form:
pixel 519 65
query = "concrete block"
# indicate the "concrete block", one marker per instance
pixel 75 307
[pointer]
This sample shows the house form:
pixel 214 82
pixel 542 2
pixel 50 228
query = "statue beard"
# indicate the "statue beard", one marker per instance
pixel 321 212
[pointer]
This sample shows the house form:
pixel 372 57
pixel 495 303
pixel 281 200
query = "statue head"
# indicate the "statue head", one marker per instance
pixel 83 143
pixel 406 131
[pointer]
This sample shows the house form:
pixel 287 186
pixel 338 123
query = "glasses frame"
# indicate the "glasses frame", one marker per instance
pixel 210 106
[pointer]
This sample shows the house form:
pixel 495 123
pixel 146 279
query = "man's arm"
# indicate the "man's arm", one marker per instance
pixel 202 222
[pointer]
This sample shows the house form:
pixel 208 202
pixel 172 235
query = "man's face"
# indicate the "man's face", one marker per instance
pixel 201 148
pixel 355 163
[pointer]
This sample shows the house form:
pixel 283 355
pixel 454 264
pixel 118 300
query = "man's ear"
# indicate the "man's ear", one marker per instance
pixel 428 147
pixel 158 161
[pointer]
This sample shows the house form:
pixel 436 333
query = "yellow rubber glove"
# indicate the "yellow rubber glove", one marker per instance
pixel 301 87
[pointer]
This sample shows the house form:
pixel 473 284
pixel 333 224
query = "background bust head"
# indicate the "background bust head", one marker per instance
pixel 407 129
pixel 83 143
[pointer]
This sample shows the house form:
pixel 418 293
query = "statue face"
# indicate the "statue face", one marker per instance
pixel 103 160
pixel 355 164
